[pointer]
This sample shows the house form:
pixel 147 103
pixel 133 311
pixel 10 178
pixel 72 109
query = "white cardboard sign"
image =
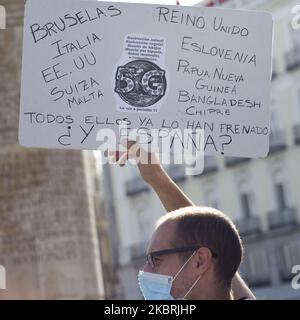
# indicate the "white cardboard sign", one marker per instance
pixel 90 65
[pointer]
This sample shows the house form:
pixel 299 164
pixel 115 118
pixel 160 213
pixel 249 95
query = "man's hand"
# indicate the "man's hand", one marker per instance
pixel 153 173
pixel 148 163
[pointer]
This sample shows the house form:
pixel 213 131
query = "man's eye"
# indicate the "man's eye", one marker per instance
pixel 156 260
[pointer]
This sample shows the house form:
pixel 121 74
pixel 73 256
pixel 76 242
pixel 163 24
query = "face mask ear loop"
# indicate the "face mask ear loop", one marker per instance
pixel 191 288
pixel 184 265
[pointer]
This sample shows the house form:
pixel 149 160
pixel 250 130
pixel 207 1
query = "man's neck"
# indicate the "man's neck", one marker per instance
pixel 212 293
pixel 224 294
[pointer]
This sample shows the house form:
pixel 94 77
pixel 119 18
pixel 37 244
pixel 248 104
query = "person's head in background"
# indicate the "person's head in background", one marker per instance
pixel 199 249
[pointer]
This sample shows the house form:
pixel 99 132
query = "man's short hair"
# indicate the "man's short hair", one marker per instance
pixel 209 228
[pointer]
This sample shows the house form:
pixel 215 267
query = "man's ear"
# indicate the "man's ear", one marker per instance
pixel 204 259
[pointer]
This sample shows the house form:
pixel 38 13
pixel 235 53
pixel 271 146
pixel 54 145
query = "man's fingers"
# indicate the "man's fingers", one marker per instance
pixel 123 159
pixel 112 158
pixel 128 143
pixel 110 153
pixel 115 154
pixel 134 151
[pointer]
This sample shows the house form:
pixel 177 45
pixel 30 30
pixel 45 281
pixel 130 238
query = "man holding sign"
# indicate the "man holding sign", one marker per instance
pixel 101 65
pixel 194 252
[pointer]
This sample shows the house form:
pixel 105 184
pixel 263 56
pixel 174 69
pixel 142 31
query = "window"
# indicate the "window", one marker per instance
pixel 280 196
pixel 288 256
pixel 298 104
pixel 245 196
pixel 255 267
pixel 245 201
pixel 211 194
pixel 144 217
pixel 144 223
pixel 274 120
pixel 211 198
pixel 294 36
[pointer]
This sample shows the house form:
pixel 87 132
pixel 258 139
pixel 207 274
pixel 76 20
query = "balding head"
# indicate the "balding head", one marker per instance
pixel 206 227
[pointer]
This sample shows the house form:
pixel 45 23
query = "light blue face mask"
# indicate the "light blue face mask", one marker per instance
pixel 156 286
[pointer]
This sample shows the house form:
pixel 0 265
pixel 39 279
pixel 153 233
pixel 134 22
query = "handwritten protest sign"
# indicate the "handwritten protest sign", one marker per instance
pixel 90 65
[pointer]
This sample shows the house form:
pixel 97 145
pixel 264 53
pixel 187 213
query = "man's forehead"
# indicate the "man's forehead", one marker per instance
pixel 163 236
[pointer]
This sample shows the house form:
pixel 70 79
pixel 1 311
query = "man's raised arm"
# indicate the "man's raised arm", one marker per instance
pixel 171 196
